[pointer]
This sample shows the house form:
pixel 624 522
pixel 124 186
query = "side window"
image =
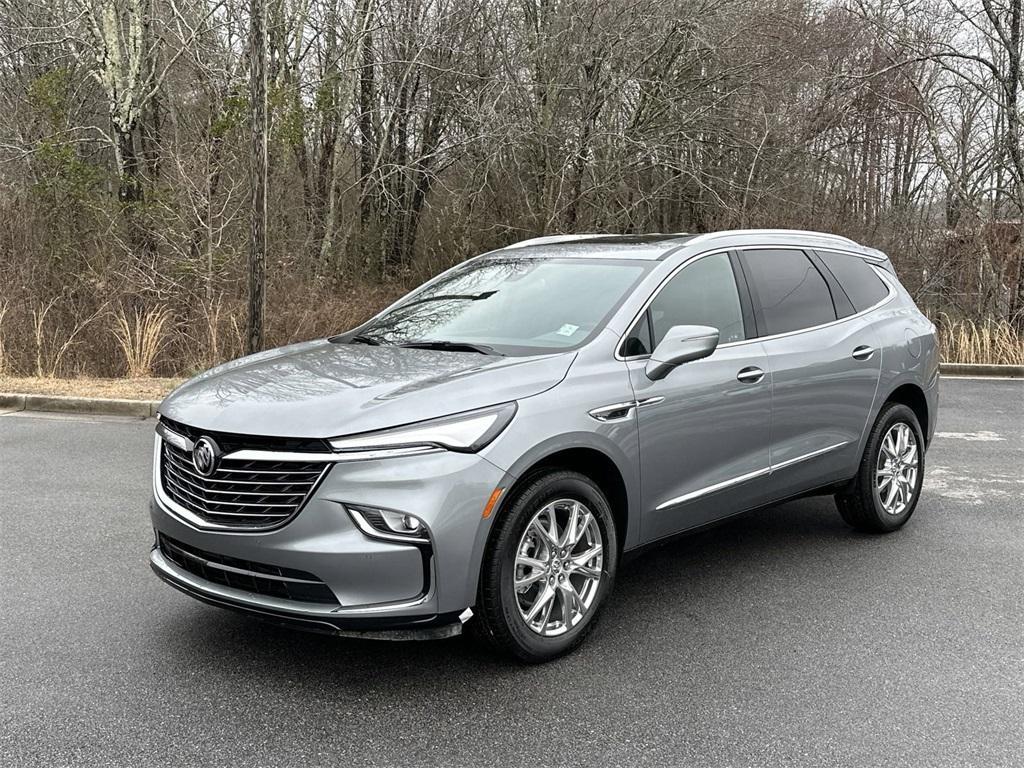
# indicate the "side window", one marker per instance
pixel 791 292
pixel 703 293
pixel 857 278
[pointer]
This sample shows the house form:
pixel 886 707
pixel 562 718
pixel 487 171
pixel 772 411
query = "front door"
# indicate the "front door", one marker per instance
pixel 704 428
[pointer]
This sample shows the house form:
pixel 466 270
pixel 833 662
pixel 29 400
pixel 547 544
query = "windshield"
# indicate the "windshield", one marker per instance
pixel 508 306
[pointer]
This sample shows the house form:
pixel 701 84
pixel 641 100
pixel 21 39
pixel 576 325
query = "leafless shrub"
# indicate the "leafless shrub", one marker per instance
pixel 140 337
pixel 53 340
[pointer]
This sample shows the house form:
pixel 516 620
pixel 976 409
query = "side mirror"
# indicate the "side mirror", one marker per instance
pixel 681 344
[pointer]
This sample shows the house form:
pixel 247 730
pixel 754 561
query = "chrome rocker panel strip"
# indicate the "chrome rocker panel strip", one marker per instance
pixel 749 476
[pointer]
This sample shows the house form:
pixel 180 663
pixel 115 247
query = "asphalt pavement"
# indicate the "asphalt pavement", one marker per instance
pixel 779 638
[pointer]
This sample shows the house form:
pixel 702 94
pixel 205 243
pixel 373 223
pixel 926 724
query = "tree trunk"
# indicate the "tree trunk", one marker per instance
pixel 257 175
pixel 366 99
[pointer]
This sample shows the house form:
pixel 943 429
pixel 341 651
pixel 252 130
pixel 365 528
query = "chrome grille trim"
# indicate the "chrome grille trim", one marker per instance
pixel 241 494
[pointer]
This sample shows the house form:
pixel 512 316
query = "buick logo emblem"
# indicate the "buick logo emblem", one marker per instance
pixel 204 456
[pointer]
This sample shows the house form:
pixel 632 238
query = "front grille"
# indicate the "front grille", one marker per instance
pixel 241 494
pixel 270 580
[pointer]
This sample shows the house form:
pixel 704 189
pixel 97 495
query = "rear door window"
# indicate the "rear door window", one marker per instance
pixel 789 290
pixel 858 279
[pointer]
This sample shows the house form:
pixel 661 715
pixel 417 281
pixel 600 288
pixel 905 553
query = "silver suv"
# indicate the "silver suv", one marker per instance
pixel 490 446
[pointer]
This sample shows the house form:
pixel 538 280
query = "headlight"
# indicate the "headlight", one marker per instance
pixel 466 432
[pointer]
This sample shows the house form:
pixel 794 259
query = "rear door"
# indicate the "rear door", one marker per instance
pixel 703 429
pixel 825 365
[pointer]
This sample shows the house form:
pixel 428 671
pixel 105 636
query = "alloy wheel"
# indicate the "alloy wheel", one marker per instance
pixel 896 468
pixel 558 567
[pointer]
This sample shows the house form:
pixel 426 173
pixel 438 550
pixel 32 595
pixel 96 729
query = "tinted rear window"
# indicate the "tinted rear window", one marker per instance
pixel 791 292
pixel 857 278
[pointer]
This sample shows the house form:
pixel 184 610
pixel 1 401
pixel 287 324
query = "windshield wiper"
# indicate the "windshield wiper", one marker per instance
pixel 452 346
pixel 449 297
pixel 361 339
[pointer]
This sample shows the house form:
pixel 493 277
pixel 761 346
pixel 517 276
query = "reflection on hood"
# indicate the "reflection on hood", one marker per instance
pixel 321 389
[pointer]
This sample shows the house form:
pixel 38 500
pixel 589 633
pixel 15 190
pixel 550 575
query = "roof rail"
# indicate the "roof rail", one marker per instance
pixel 547 239
pixel 803 232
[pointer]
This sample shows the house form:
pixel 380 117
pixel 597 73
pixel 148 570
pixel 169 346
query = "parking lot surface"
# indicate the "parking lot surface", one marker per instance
pixel 778 638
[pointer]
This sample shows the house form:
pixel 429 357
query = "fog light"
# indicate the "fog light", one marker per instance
pixel 385 524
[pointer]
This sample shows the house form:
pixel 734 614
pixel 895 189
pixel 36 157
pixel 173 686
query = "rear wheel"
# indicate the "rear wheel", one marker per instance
pixel 549 566
pixel 886 490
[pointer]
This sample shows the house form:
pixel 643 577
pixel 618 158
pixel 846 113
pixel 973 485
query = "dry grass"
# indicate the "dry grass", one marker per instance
pixel 991 341
pixel 4 307
pixel 140 337
pixel 120 389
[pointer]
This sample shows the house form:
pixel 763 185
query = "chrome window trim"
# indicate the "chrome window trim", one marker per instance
pixel 771 468
pixel 885 277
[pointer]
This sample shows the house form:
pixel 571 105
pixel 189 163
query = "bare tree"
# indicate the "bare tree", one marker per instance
pixel 179 158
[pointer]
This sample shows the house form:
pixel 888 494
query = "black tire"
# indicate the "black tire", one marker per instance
pixel 500 622
pixel 860 504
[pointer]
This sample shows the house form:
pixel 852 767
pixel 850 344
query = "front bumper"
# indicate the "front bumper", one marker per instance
pixel 393 589
pixel 434 626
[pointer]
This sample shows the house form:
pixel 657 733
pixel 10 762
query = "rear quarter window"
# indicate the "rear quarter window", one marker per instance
pixel 857 278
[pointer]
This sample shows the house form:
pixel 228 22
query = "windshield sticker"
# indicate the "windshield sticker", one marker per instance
pixel 567 330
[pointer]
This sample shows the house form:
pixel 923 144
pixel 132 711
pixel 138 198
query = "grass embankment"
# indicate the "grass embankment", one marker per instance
pixel 118 389
pixel 991 342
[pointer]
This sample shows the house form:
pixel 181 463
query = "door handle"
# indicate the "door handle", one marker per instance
pixel 863 352
pixel 750 375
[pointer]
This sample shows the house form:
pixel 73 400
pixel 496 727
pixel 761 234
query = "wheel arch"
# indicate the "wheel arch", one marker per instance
pixel 912 396
pixel 610 469
pixel 596 466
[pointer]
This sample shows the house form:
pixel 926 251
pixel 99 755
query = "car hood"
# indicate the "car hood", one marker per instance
pixel 325 389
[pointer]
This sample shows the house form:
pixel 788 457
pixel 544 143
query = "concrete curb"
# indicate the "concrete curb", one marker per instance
pixel 981 369
pixel 91 405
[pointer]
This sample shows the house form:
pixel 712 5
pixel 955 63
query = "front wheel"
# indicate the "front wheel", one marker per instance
pixel 549 566
pixel 886 490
